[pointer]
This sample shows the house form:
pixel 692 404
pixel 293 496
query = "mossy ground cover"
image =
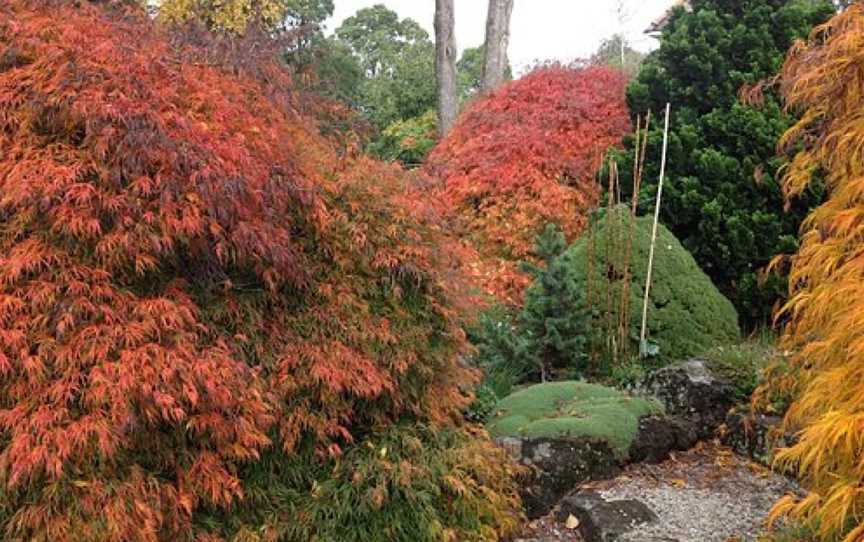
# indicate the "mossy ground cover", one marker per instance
pixel 572 409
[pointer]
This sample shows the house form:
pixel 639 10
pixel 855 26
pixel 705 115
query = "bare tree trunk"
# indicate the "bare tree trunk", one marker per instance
pixel 622 52
pixel 497 41
pixel 445 65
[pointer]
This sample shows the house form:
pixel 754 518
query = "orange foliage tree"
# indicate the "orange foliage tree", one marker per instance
pixel 194 280
pixel 823 80
pixel 525 156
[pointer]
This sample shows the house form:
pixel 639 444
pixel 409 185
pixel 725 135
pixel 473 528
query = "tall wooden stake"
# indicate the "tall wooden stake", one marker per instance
pixel 643 345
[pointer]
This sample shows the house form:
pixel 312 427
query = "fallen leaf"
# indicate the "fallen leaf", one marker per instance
pixel 572 522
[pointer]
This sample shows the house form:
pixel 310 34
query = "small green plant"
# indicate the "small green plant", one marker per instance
pixel 500 348
pixel 555 318
pixel 790 533
pixel 743 364
pixel 626 374
pixel 780 386
pixel 485 401
pixel 499 354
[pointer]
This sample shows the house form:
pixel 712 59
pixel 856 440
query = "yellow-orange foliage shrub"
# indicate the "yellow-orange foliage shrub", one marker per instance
pixel 823 79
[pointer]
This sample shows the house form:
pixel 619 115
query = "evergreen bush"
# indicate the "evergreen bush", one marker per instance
pixel 686 313
pixel 554 320
pixel 547 338
pixel 723 196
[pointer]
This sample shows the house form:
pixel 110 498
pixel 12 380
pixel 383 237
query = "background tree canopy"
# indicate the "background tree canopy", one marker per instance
pixel 609 54
pixel 384 67
pixel 470 68
pixel 234 15
pixel 397 59
pixel 723 197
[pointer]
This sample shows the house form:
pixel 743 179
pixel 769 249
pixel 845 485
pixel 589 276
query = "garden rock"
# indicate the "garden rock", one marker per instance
pixel 567 433
pixel 602 520
pixel 557 466
pixel 755 435
pixel 691 391
pixel 660 435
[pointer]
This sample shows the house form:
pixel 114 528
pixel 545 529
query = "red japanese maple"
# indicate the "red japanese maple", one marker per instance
pixel 190 274
pixel 524 156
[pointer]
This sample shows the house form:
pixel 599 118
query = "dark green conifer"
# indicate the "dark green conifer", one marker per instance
pixel 722 197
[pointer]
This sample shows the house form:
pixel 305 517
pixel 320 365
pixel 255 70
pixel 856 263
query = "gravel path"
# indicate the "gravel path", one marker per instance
pixel 704 495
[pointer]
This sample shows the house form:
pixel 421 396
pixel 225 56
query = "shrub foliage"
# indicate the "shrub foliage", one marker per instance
pixel 194 285
pixel 686 313
pixel 555 318
pixel 822 80
pixel 723 197
pixel 525 156
pixel 408 141
pixel 406 483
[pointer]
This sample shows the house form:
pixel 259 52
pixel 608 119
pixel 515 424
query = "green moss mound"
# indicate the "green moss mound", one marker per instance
pixel 572 409
pixel 687 314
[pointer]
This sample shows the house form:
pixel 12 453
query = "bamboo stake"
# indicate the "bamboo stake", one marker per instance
pixel 636 158
pixel 638 164
pixel 610 258
pixel 640 176
pixel 642 337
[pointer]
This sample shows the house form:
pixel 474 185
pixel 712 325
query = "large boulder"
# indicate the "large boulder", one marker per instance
pixel 659 435
pixel 568 433
pixel 693 393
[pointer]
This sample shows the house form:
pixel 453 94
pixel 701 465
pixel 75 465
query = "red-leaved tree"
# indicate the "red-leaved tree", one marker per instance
pixel 524 156
pixel 191 277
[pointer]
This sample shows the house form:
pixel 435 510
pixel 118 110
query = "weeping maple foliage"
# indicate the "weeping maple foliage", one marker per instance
pixel 193 281
pixel 823 79
pixel 525 156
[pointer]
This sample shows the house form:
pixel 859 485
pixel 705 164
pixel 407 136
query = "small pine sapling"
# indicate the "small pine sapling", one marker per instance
pixel 555 317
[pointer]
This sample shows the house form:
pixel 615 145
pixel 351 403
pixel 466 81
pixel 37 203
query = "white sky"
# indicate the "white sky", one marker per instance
pixel 541 29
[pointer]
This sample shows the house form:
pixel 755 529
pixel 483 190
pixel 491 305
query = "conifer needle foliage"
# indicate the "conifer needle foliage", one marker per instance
pixel 196 286
pixel 823 80
pixel 525 156
pixel 723 196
